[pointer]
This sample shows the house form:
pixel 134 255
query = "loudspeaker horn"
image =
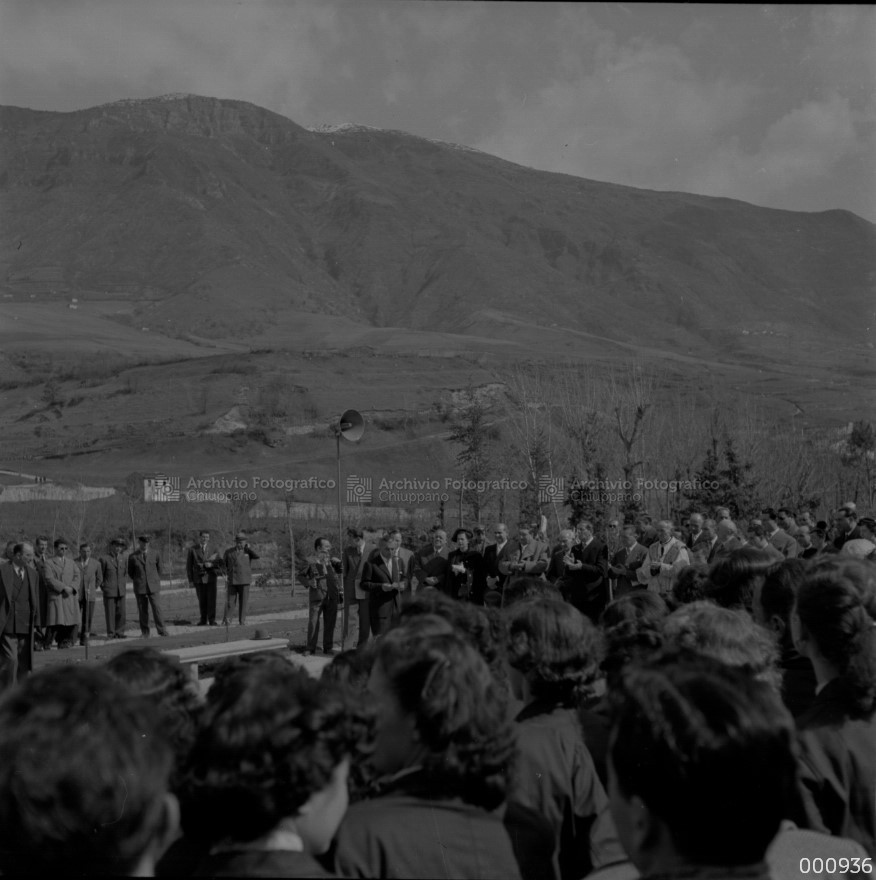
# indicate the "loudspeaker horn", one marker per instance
pixel 352 425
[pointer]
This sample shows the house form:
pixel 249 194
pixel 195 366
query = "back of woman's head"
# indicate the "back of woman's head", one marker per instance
pixel 520 589
pixel 555 646
pixel 836 605
pixel 640 606
pixel 159 679
pixel 268 743
pixel 350 668
pixel 628 642
pixel 690 585
pixel 483 627
pixel 460 713
pixel 727 635
pixel 732 579
pixel 709 751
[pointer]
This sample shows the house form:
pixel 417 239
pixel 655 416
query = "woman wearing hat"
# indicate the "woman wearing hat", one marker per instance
pixel 466 577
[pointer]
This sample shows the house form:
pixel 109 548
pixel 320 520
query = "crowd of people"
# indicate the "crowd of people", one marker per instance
pixel 676 706
pixel 52 594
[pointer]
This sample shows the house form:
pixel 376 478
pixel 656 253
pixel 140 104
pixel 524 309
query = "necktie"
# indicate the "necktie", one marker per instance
pixel 394 568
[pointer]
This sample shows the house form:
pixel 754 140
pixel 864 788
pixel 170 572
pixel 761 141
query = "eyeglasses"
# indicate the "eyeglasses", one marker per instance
pixel 61 548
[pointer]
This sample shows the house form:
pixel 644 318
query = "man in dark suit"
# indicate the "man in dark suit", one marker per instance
pixel 323 579
pixel 702 550
pixel 694 529
pixel 626 561
pixel 430 561
pixel 556 569
pixel 202 570
pixel 238 577
pixel 352 563
pixel 728 539
pixel 781 540
pixel 144 569
pixel 845 523
pixel 587 576
pixel 40 558
pixel 497 553
pixel 114 571
pixel 383 578
pixel 19 614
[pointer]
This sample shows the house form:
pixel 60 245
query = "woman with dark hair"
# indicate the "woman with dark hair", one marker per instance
pixel 732 580
pixel 728 635
pixel 555 649
pixel 466 576
pixel 174 697
pixel 834 625
pixel 690 585
pixel 640 606
pixel 701 769
pixel 444 747
pixel 266 786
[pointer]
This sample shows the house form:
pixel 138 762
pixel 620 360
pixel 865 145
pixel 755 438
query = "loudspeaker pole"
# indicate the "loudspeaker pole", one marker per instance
pixel 350 426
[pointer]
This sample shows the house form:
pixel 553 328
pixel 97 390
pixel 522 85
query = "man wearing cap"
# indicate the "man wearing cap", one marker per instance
pixel 19 614
pixel 202 570
pixel 144 569
pixel 114 573
pixel 238 577
pixel 91 578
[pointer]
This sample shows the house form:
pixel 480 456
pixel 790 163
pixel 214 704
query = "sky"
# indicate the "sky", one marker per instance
pixel 774 105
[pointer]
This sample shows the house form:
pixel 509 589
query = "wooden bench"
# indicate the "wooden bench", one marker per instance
pixel 191 657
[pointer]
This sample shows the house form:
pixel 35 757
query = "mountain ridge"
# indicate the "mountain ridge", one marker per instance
pixel 220 214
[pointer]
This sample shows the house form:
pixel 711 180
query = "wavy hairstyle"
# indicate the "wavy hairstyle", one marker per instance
pixel 484 627
pixel 461 716
pixel 642 607
pixel 271 738
pixel 709 750
pixel 175 699
pixel 83 778
pixel 728 635
pixel 836 604
pixel 556 647
pixel 520 589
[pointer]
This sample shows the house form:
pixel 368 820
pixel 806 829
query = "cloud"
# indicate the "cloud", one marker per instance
pixel 638 117
pixel 652 114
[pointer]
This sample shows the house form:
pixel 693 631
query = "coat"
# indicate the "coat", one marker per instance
pixel 63 575
pixel 7 585
pixel 410 832
pixel 556 777
pixel 202 568
pixel 144 569
pixel 628 561
pixel 838 767
pixel 114 575
pixel 237 568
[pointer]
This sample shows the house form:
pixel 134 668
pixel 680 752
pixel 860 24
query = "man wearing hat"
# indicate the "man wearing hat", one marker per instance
pixel 144 569
pixel 114 574
pixel 238 577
